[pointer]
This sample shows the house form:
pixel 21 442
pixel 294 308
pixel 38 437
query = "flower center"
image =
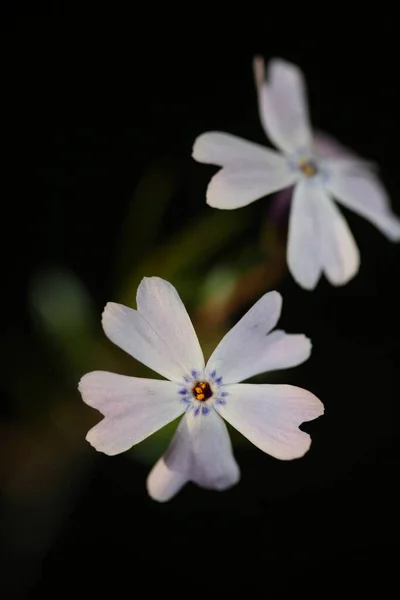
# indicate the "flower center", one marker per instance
pixel 202 391
pixel 308 167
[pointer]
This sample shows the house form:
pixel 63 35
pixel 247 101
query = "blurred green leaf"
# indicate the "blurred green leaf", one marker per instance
pixel 188 249
pixel 61 303
pixel 143 221
pixel 64 314
pixel 219 283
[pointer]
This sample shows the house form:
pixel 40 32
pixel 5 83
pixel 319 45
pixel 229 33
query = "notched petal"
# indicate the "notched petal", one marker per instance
pixel 159 334
pixel 270 416
pixel 201 452
pixel 133 408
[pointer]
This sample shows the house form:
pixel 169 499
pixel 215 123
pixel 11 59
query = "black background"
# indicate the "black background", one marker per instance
pixel 92 95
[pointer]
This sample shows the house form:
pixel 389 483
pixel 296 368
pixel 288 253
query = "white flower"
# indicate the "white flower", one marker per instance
pixel 319 238
pixel 160 335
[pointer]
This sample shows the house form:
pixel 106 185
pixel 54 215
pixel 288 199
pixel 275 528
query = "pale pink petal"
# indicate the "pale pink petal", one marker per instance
pixel 247 349
pixel 241 184
pixel 200 451
pixel 224 149
pixel 159 334
pixel 283 105
pixel 303 251
pixel 339 254
pixel 366 196
pixel 133 408
pixel 270 416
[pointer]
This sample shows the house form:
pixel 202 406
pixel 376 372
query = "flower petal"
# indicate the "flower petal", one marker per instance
pixel 339 254
pixel 269 416
pixel 278 350
pixel 159 334
pixel 133 408
pixel 303 240
pixel 162 483
pixel 243 351
pixel 224 149
pixel 283 105
pixel 159 303
pixel 242 183
pixel 366 196
pixel 201 452
pixel 251 171
pixel 319 239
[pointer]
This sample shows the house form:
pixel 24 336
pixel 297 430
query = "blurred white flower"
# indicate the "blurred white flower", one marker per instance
pixel 321 169
pixel 160 335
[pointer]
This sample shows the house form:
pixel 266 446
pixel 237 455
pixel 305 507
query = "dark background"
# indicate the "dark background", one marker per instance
pixel 92 97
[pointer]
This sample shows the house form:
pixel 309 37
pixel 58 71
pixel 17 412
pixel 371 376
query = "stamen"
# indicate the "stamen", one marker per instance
pixel 202 391
pixel 308 167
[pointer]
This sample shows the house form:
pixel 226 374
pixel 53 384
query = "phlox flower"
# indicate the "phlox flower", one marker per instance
pixel 319 169
pixel 160 335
